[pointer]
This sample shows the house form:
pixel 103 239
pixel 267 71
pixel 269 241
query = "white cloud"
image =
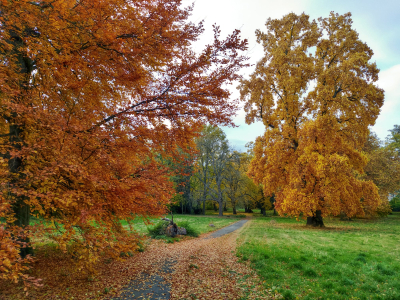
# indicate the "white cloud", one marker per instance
pixel 376 21
pixel 389 80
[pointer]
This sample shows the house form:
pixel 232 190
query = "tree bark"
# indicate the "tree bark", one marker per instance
pixel 234 210
pixel 15 164
pixel 316 220
pixel 21 210
pixel 263 211
pixel 247 209
pixel 220 209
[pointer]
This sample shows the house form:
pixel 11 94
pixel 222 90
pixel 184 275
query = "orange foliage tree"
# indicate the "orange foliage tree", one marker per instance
pixel 314 91
pixel 91 93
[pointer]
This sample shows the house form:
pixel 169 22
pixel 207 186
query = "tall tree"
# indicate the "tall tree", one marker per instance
pixel 235 178
pixel 219 161
pixel 316 108
pixel 91 92
pixel 212 159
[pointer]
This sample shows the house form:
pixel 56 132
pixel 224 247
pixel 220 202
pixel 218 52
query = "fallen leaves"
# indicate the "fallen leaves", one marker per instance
pixel 194 269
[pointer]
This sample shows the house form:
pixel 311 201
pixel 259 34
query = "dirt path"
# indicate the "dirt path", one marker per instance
pixel 202 268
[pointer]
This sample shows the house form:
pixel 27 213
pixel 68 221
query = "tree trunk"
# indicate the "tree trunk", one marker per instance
pixel 21 209
pixel 316 220
pixel 234 210
pixel 263 211
pixel 275 213
pixel 247 209
pixel 204 206
pixel 15 165
pixel 220 209
pixel 225 209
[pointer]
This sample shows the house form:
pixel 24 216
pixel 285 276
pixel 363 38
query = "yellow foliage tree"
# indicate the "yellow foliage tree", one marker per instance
pixel 314 91
pixel 383 169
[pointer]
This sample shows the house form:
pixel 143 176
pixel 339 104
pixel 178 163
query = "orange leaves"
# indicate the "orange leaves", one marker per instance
pixel 92 93
pixel 316 108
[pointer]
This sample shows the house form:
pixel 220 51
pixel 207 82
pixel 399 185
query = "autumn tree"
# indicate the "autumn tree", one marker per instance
pixel 91 93
pixel 315 92
pixel 383 166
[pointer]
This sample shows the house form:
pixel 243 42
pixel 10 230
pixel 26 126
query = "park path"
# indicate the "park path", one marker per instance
pixel 201 268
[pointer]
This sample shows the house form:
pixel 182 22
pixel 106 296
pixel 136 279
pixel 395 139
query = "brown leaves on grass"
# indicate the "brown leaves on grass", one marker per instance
pixel 209 269
pixel 204 269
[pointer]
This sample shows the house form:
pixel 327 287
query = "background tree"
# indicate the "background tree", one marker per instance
pixel 214 154
pixel 316 108
pixel 219 161
pixel 383 168
pixel 91 92
pixel 234 180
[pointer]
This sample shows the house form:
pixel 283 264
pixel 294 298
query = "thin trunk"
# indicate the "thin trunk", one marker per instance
pixel 234 208
pixel 221 209
pixel 264 213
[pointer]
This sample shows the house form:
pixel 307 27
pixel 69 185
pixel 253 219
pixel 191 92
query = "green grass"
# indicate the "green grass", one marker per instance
pixel 199 223
pixel 347 260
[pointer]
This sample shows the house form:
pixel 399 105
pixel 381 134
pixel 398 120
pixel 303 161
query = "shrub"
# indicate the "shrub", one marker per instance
pixel 190 231
pixel 158 229
pixel 395 203
pixel 384 209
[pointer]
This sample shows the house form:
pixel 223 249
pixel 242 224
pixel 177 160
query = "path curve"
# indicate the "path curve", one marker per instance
pixel 153 286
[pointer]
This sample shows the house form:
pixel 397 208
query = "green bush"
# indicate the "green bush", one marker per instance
pixel 395 203
pixel 160 227
pixel 189 229
pixel 156 230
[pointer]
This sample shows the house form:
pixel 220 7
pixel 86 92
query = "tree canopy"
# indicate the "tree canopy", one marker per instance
pixel 91 93
pixel 315 91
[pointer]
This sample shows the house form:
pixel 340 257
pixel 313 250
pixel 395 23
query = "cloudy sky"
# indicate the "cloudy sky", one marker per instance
pixel 377 22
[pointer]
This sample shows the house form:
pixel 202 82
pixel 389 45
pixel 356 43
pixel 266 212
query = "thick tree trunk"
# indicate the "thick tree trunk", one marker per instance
pixel 21 209
pixel 234 210
pixel 15 164
pixel 316 220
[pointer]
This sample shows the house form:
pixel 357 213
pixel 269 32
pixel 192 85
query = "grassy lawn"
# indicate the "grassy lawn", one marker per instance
pixel 200 223
pixel 239 213
pixel 357 259
pixel 140 225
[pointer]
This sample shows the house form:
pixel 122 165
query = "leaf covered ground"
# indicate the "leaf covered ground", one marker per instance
pixel 204 269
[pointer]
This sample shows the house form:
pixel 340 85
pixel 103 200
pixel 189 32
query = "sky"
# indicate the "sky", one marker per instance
pixel 377 22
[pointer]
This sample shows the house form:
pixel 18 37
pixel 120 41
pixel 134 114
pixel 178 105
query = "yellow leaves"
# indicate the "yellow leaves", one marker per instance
pixel 316 109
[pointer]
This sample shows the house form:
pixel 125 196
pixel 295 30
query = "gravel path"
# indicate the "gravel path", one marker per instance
pixel 153 285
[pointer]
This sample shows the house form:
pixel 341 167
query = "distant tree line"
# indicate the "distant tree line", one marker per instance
pixel 214 177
